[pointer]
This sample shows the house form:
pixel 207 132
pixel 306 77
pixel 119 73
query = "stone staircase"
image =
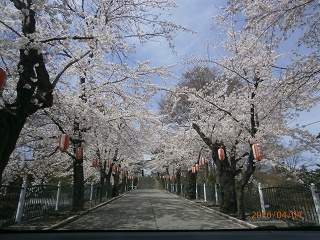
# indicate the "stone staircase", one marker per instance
pixel 146 183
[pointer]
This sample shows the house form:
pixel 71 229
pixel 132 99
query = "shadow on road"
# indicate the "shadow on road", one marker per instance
pixel 151 209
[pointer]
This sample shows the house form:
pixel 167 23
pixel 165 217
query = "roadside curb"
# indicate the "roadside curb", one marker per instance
pixel 243 223
pixel 75 217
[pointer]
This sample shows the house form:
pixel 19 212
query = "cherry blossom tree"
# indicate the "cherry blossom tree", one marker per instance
pixel 41 133
pixel 48 45
pixel 273 88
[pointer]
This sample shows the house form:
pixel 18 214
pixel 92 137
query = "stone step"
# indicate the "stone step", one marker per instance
pixel 146 183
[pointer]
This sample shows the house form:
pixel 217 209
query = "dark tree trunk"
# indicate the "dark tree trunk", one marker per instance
pixel 231 193
pixel 163 184
pixel 78 186
pixel 231 198
pixel 78 177
pixel 123 184
pixel 102 179
pixel 115 190
pixel 192 177
pixel 178 182
pixel 108 183
pixel 241 185
pixel 10 128
pixel 13 116
pixel 226 173
pixel 227 193
pixel 240 203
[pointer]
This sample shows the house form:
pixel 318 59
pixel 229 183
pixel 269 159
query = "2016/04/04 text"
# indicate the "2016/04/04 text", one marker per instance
pixel 277 215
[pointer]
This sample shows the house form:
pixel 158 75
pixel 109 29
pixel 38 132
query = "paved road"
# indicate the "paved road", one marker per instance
pixel 151 209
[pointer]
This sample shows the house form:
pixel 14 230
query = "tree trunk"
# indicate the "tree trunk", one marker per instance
pixel 240 203
pixel 163 183
pixel 242 183
pixel 13 116
pixel 178 182
pixel 10 128
pixel 123 184
pixel 192 177
pixel 226 173
pixel 227 193
pixel 108 183
pixel 115 190
pixel 102 178
pixel 78 186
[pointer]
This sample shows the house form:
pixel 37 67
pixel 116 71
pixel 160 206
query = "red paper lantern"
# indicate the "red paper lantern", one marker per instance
pixel 63 142
pixel 95 162
pixel 257 151
pixel 221 154
pixel 2 78
pixel 108 163
pixel 118 169
pixel 182 174
pixel 123 173
pixel 79 153
pixel 193 169
pixel 197 167
pixel 203 161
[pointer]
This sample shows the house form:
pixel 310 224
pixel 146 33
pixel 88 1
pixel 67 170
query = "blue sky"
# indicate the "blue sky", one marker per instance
pixel 197 16
pixel 193 14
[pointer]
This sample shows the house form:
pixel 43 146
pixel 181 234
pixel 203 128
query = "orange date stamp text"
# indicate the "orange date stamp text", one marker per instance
pixel 277 215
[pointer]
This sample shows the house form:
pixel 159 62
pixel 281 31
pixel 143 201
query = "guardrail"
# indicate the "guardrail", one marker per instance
pixel 19 204
pixel 203 192
pixel 294 205
pixel 9 199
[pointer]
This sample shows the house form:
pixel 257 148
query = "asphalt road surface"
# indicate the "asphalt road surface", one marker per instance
pixel 151 209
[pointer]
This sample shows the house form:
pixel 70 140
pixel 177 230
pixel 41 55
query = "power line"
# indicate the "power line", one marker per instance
pixel 310 123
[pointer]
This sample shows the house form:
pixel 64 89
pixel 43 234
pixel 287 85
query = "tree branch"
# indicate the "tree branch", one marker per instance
pixel 71 155
pixel 216 106
pixel 55 121
pixel 201 134
pixel 65 38
pixel 55 150
pixel 66 67
pixel 10 28
pixel 19 4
